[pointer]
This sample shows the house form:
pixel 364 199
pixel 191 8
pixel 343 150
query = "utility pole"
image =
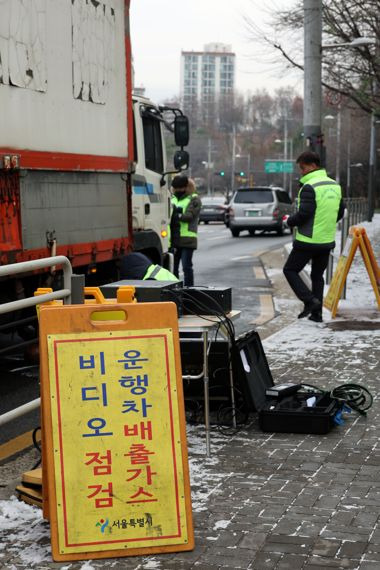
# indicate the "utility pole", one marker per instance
pixel 208 166
pixel 313 76
pixel 291 174
pixel 285 148
pixel 348 183
pixel 233 159
pixel 372 167
pixel 338 132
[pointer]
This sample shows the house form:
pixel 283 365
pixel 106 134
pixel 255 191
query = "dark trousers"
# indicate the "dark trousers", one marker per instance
pixel 296 261
pixel 185 256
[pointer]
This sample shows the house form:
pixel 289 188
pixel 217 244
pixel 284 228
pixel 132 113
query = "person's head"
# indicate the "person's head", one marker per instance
pixel 134 266
pixel 308 161
pixel 179 184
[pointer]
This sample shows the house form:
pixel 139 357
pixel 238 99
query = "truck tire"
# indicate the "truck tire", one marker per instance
pixel 235 232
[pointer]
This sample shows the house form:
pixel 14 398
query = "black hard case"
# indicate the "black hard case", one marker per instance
pixel 289 414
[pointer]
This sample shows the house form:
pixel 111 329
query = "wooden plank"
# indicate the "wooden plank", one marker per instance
pixel 335 290
pixel 357 238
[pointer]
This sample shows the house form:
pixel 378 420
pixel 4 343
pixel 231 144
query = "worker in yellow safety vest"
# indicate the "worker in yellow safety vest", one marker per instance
pixel 319 207
pixel 137 266
pixel 186 207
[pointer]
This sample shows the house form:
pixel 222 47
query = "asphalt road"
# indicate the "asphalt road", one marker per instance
pixel 220 261
pixel 224 261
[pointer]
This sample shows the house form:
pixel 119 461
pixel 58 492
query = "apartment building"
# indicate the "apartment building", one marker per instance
pixel 207 77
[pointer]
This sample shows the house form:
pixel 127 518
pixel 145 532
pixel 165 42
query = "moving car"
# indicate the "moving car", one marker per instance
pixel 259 208
pixel 213 209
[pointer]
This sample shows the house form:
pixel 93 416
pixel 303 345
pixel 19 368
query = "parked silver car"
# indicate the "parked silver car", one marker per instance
pixel 259 208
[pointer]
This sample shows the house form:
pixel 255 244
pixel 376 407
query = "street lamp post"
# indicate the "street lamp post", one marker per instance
pixel 285 152
pixel 338 118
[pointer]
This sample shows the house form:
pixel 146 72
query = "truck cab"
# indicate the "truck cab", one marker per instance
pixel 151 207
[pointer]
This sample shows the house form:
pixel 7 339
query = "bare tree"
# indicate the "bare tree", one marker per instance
pixel 354 72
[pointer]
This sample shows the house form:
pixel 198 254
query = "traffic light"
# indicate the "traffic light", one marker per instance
pixel 221 173
pixel 242 173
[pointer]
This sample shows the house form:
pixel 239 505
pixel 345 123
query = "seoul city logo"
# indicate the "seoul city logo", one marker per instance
pixel 103 524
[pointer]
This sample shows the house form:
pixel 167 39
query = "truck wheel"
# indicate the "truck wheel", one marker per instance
pixel 252 232
pixel 235 232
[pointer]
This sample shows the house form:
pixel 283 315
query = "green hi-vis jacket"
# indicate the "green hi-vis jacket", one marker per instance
pixel 188 220
pixel 320 206
pixel 159 274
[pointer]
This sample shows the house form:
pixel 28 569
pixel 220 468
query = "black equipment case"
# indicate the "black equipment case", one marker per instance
pixel 289 414
pixel 148 291
pixel 207 300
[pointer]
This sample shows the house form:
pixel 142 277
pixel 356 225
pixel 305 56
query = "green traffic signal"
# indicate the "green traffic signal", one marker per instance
pixel 242 173
pixel 221 173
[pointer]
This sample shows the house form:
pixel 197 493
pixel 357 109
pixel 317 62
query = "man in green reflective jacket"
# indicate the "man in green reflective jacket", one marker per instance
pixel 137 266
pixel 320 206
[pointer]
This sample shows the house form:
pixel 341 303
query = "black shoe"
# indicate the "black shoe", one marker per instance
pixel 316 317
pixel 312 306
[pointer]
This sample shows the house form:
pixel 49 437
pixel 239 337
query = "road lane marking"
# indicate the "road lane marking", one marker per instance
pixel 213 238
pixel 17 444
pixel 258 272
pixel 266 310
pixel 241 257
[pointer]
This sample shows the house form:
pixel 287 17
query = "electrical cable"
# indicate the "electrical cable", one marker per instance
pixel 224 320
pixel 225 413
pixel 36 445
pixel 355 396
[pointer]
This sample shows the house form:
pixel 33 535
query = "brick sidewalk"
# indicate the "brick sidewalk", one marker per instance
pixel 276 501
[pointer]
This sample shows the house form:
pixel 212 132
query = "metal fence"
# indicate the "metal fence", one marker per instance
pixel 355 213
pixel 65 294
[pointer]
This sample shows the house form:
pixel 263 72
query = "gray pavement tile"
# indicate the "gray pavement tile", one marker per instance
pixel 286 547
pixel 291 562
pixel 373 549
pixel 220 560
pixel 319 562
pixel 351 533
pixel 227 538
pixel 343 518
pixel 353 549
pixel 252 540
pixel 173 564
pixel 265 561
pixel 323 547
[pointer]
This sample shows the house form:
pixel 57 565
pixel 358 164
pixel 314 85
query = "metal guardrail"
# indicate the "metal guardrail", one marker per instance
pixel 65 294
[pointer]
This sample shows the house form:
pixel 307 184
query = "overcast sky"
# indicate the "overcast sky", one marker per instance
pixel 160 29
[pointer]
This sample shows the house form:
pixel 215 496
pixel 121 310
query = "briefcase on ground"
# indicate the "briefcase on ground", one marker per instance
pixel 291 410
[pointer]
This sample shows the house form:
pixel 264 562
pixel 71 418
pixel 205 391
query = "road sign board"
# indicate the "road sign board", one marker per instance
pixel 276 166
pixel 115 457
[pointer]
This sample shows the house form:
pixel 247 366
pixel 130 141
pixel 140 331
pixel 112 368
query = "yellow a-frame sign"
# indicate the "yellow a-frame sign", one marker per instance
pixel 357 238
